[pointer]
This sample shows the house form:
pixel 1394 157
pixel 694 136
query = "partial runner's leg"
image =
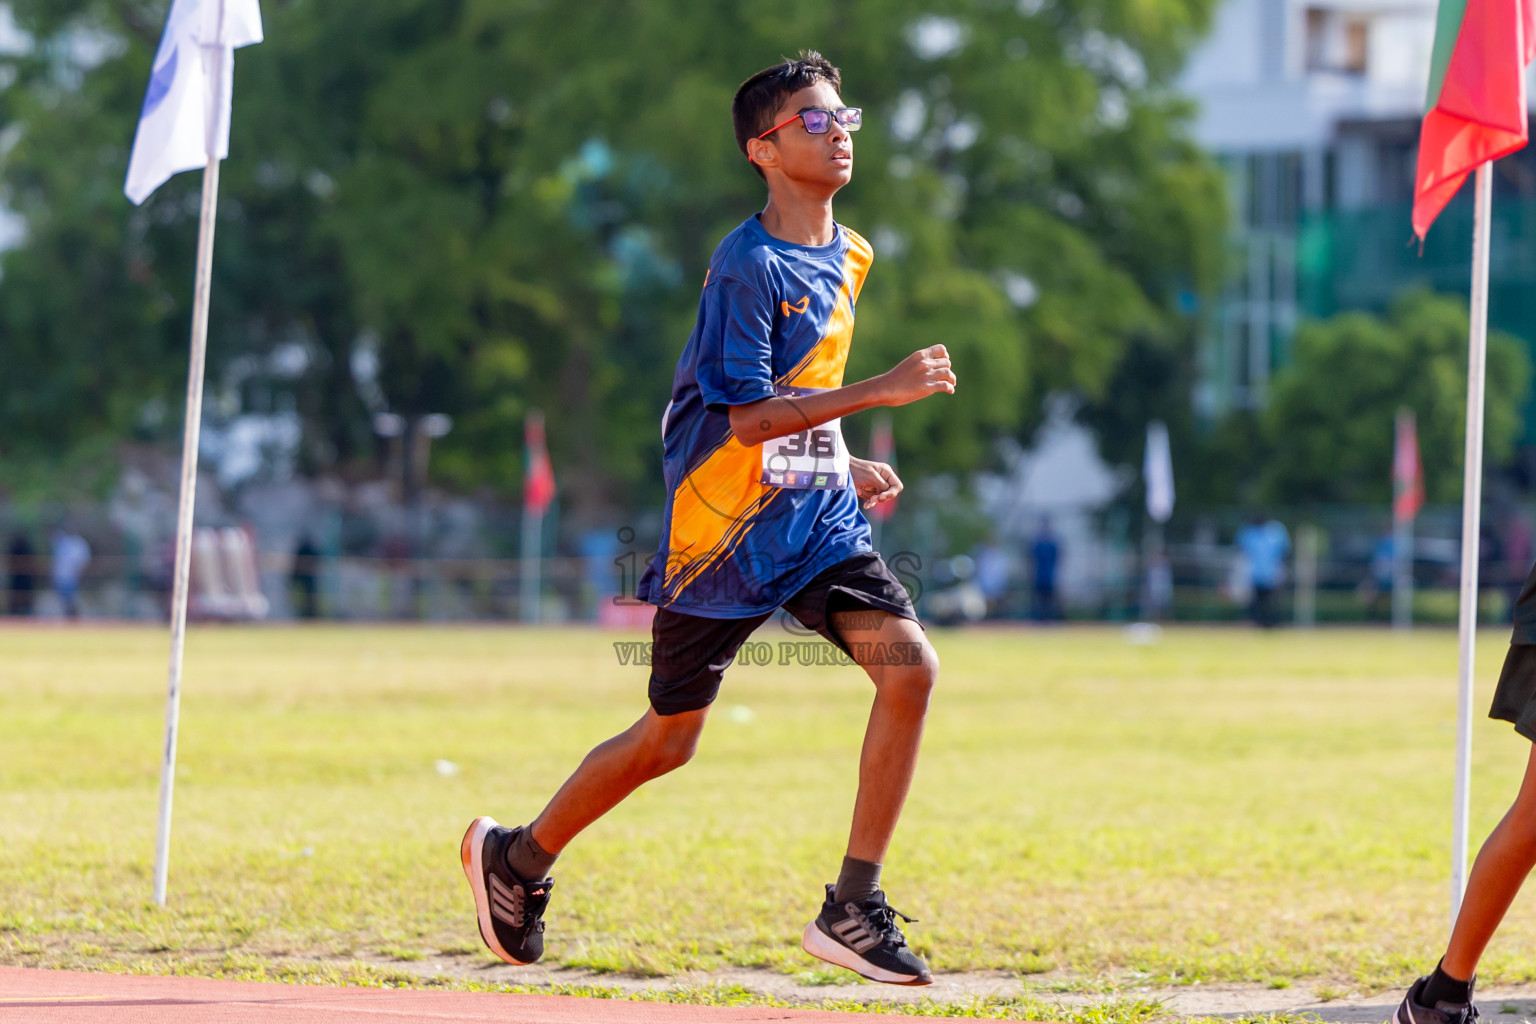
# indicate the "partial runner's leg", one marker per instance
pixel 1445 995
pixel 689 657
pixel 856 928
pixel 1503 863
pixel 508 868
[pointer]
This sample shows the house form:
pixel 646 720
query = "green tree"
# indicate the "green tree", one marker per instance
pixel 1330 419
pixel 512 203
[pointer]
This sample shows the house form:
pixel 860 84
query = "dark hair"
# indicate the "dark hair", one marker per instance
pixel 759 97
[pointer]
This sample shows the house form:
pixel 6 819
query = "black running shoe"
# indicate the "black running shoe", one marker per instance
pixel 1411 1011
pixel 865 938
pixel 511 911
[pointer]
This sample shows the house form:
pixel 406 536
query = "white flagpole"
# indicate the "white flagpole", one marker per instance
pixel 189 444
pixel 1471 508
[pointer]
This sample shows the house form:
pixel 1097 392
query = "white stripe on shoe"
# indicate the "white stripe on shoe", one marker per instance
pixel 506 903
pixel 853 932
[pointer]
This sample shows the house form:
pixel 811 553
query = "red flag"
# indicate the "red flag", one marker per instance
pixel 1407 469
pixel 882 448
pixel 1476 108
pixel 538 477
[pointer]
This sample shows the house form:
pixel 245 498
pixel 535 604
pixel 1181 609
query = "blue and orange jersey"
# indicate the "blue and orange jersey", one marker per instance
pixel 774 318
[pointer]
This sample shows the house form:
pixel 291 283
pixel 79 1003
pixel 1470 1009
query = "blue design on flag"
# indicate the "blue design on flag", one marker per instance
pixel 160 84
pixel 185 119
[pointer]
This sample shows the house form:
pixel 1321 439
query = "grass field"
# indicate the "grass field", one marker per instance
pixel 1219 806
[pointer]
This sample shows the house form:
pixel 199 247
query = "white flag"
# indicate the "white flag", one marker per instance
pixel 1157 471
pixel 185 120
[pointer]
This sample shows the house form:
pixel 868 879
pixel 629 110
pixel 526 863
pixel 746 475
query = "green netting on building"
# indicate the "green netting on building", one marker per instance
pixel 1364 259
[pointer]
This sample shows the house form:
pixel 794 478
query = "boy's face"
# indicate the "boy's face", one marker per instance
pixel 800 156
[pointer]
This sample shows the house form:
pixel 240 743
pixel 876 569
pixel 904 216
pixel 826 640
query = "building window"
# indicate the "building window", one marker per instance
pixel 1356 44
pixel 1337 41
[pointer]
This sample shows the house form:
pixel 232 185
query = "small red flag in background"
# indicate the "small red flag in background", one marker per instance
pixel 538 477
pixel 1407 469
pixel 882 448
pixel 1476 108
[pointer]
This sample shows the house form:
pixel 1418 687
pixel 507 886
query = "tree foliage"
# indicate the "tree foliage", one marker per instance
pixel 505 203
pixel 1329 425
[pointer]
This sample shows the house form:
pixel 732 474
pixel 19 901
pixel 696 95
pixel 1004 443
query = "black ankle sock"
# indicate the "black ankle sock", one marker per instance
pixel 528 860
pixel 1442 988
pixel 859 880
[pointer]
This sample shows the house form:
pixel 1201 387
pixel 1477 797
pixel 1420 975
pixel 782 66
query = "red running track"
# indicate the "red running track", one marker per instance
pixel 70 997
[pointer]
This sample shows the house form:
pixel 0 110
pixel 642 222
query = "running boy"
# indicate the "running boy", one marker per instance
pixel 762 514
pixel 1444 996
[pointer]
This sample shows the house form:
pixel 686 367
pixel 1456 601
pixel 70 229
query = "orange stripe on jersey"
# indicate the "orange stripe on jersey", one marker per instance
pixel 823 365
pixel 711 507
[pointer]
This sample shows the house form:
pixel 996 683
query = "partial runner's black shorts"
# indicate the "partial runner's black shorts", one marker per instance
pixel 1515 698
pixel 690 653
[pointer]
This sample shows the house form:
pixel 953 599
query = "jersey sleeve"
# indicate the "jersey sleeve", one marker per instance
pixel 735 355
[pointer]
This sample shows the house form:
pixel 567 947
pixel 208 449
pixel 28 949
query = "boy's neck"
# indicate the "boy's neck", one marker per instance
pixel 801 220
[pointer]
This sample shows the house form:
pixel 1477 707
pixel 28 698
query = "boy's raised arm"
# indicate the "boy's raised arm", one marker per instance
pixel 925 372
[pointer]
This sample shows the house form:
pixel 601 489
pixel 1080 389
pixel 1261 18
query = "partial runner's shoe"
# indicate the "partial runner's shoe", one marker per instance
pixel 511 911
pixel 1412 1011
pixel 865 938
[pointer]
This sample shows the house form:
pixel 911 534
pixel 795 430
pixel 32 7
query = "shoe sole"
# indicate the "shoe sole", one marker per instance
pixel 470 853
pixel 816 943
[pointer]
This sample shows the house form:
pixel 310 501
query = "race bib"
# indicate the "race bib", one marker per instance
pixel 812 458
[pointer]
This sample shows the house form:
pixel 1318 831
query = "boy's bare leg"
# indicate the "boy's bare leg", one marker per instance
pixel 904 667
pixel 651 747
pixel 856 928
pixel 1501 866
pixel 508 868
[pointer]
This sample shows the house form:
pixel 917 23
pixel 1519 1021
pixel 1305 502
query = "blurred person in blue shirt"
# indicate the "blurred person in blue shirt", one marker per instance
pixel 1045 553
pixel 1265 543
pixel 993 574
pixel 1378 588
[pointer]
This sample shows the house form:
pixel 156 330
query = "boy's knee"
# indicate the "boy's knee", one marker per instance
pixel 668 745
pixel 1522 825
pixel 912 683
pixel 675 753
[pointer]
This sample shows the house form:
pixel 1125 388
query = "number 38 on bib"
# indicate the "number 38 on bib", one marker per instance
pixel 815 457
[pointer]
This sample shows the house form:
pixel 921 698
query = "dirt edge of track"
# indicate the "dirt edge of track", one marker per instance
pixel 1197 1000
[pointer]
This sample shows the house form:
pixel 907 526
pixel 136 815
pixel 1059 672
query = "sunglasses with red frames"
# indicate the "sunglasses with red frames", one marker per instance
pixel 818 120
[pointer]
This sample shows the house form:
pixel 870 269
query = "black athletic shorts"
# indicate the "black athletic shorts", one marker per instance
pixel 690 653
pixel 1515 698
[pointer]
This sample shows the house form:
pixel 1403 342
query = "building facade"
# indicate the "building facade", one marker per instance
pixel 1313 107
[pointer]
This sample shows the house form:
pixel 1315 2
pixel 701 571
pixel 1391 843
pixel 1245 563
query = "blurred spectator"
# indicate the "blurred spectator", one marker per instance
pixel 1045 553
pixel 1378 589
pixel 71 554
pixel 305 578
pixel 23 558
pixel 404 583
pixel 1264 543
pixel 160 575
pixel 992 575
